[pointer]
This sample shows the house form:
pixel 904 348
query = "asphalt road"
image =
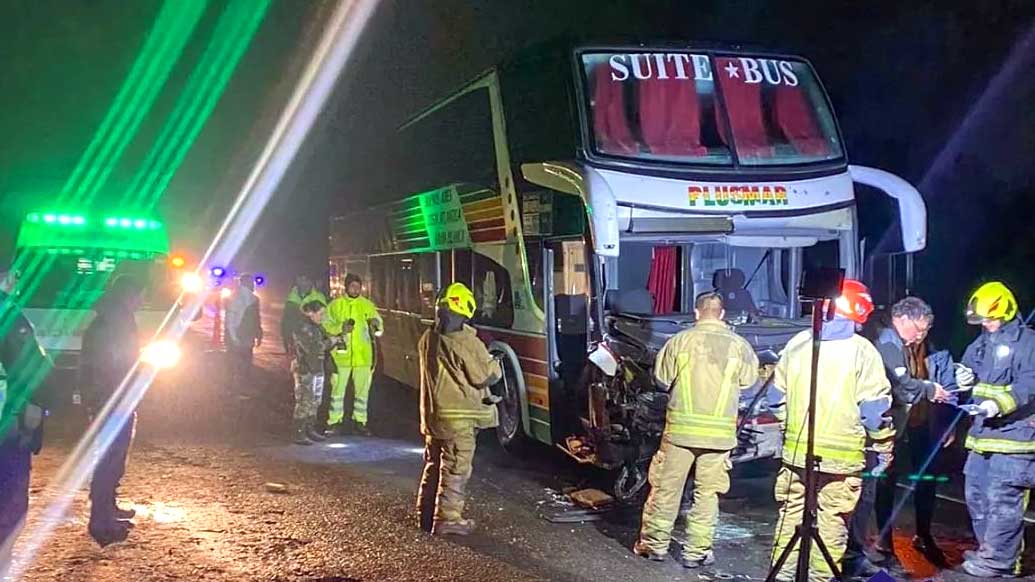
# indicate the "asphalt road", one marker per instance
pixel 205 451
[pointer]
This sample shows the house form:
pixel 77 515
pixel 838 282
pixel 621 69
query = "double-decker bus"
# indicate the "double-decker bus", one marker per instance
pixel 587 196
pixel 69 259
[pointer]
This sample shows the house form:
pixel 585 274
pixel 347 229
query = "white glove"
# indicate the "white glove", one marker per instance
pixel 884 461
pixel 989 408
pixel 965 377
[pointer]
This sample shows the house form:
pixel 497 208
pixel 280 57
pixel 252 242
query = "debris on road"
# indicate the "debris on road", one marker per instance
pixel 276 487
pixel 592 498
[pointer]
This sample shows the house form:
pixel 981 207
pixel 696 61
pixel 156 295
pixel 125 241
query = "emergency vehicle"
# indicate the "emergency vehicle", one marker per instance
pixel 587 196
pixel 66 260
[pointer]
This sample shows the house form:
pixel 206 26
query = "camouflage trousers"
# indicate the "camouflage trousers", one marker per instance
pixel 669 470
pixel 308 394
pixel 447 468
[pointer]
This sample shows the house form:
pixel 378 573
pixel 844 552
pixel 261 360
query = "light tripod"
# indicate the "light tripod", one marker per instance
pixel 807 532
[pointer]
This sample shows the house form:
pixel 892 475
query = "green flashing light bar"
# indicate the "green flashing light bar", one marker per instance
pixel 64 232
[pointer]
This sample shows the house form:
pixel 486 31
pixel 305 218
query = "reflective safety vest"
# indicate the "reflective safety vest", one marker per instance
pixel 706 367
pixel 1004 363
pixel 359 348
pixel 312 295
pixel 851 374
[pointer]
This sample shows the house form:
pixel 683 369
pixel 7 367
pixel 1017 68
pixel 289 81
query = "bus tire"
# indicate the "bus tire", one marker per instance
pixel 512 409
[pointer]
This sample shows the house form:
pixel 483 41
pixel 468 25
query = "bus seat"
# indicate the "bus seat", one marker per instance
pixel 744 104
pixel 610 125
pixel 794 116
pixel 630 301
pixel 736 298
pixel 670 115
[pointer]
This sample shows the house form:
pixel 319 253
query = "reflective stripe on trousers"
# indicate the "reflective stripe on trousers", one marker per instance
pixel 448 464
pixel 361 379
pixel 838 496
pixel 669 470
pixel 997 489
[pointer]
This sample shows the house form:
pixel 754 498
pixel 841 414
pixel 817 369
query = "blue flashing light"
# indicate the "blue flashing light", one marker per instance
pixel 260 280
pixel 218 272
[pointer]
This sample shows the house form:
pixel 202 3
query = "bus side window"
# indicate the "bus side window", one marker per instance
pixel 408 288
pixel 378 281
pixel 427 265
pixel 492 291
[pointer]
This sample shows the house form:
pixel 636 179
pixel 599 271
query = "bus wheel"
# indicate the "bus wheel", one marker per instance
pixel 630 486
pixel 511 431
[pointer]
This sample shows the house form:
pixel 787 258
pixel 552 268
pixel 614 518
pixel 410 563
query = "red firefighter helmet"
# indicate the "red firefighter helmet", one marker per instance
pixel 855 302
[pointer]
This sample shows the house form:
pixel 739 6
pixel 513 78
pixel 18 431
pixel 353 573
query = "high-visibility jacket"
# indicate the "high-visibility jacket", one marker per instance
pixel 706 367
pixel 359 346
pixel 292 318
pixel 1004 363
pixel 455 370
pixel 851 384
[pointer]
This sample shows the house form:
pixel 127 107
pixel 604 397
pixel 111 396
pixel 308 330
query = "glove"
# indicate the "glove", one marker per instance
pixel 965 377
pixel 989 409
pixel 883 464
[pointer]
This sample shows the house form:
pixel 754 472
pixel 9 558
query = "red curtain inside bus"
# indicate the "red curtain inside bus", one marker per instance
pixel 661 282
pixel 794 116
pixel 744 103
pixel 610 126
pixel 670 114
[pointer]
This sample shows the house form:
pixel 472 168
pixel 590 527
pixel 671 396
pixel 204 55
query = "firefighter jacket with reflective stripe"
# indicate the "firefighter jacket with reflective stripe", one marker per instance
pixel 359 346
pixel 851 384
pixel 455 371
pixel 1004 363
pixel 705 367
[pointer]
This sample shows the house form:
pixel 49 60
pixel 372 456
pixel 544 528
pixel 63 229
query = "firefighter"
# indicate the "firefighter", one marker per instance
pixel 310 344
pixel 111 347
pixel 455 372
pixel 22 366
pixel 355 317
pixel 852 398
pixel 920 418
pixel 999 367
pixel 704 368
pixel 303 292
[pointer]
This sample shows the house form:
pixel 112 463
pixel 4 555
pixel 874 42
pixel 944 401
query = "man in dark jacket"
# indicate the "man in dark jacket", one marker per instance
pixel 243 331
pixel 111 347
pixel 900 338
pixel 22 366
pixel 999 367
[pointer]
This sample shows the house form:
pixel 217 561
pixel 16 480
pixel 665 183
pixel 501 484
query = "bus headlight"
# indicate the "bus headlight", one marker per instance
pixel 191 283
pixel 161 354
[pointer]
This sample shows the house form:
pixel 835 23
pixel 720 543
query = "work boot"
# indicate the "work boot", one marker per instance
pixel 361 430
pixel 122 514
pixel 463 527
pixel 975 569
pixel 698 562
pixel 926 545
pixel 641 550
pixel 861 568
pixel 313 434
pixel 107 532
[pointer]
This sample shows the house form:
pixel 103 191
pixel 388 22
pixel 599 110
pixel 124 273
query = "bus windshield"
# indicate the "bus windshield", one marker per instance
pixel 667 107
pixel 77 281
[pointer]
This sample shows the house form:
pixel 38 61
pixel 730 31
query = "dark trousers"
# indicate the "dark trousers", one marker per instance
pixel 241 358
pixel 878 494
pixel 15 464
pixel 997 489
pixel 109 472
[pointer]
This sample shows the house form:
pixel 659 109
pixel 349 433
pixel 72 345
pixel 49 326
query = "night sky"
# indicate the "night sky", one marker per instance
pixel 938 94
